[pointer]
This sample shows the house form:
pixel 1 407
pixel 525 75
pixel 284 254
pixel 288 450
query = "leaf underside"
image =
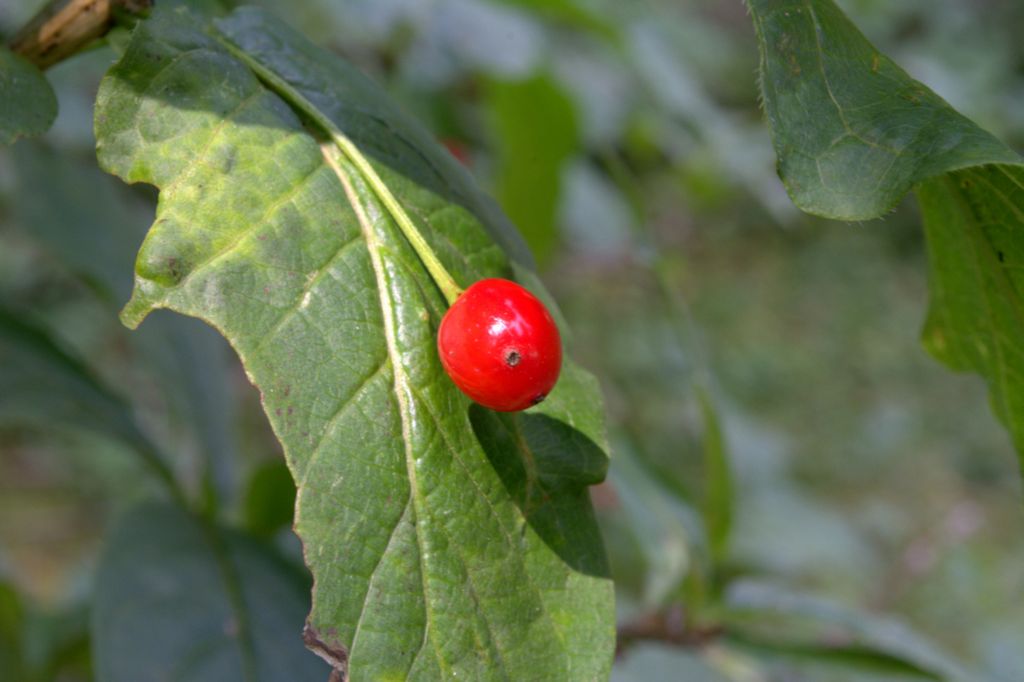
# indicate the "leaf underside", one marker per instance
pixel 443 539
pixel 854 133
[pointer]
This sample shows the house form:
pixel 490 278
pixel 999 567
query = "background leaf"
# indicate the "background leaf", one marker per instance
pixel 27 103
pixel 12 616
pixel 178 599
pixel 466 546
pixel 269 501
pixel 854 133
pixel 774 615
pixel 718 480
pixel 43 385
pixel 974 219
pixel 93 225
pixel 535 131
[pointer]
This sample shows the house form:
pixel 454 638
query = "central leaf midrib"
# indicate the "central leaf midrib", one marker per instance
pixel 400 381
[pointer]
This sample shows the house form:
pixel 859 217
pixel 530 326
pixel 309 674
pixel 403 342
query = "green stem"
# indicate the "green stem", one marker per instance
pixel 445 282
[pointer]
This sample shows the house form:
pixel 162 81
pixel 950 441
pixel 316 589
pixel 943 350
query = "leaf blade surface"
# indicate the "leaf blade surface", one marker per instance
pixel 427 561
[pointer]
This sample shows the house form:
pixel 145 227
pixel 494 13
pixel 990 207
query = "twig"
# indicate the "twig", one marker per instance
pixel 63 27
pixel 667 627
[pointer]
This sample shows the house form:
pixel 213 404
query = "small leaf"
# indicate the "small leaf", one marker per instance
pixel 28 105
pixel 443 540
pixel 176 599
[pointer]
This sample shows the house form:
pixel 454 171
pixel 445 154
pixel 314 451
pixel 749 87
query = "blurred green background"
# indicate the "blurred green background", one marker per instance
pixel 625 140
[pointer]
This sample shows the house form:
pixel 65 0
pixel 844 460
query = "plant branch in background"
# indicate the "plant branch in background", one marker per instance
pixel 668 627
pixel 63 27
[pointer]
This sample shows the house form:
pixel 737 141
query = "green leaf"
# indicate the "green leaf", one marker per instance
pixel 718 481
pixel 56 642
pixel 178 599
pixel 43 386
pixel 12 617
pixel 79 214
pixel 854 133
pixel 269 499
pixel 443 539
pixel 974 220
pixel 807 626
pixel 535 134
pixel 28 105
pixel 853 663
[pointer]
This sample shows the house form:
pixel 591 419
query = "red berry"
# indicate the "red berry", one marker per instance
pixel 500 346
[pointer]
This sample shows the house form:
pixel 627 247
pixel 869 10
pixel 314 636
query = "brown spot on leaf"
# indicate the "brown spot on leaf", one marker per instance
pixel 331 651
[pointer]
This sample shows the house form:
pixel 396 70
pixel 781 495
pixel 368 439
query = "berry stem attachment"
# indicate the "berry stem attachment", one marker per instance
pixel 445 282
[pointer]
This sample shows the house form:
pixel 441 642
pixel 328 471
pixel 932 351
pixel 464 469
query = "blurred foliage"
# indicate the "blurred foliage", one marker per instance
pixel 626 139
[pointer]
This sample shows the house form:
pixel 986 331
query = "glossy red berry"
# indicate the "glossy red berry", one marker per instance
pixel 500 346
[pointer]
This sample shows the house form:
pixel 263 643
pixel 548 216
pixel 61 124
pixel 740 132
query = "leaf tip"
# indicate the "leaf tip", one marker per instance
pixel 136 309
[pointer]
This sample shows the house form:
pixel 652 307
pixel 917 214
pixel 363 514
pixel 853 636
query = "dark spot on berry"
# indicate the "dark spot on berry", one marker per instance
pixel 538 399
pixel 512 359
pixel 1002 256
